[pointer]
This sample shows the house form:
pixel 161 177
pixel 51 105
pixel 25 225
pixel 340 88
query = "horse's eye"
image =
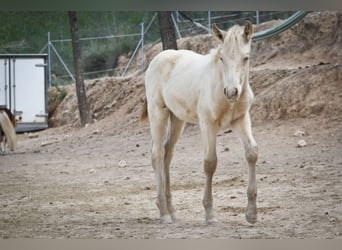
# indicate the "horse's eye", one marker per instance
pixel 245 59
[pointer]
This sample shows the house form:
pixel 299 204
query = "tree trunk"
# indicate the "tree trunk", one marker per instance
pixel 167 30
pixel 80 89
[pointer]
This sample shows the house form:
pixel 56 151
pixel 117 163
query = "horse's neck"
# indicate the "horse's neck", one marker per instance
pixel 245 83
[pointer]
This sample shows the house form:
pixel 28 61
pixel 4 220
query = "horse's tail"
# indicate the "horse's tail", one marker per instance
pixel 9 130
pixel 144 113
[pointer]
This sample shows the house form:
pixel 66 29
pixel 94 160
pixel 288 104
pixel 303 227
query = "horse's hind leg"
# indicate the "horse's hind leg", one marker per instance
pixel 175 129
pixel 158 116
pixel 244 129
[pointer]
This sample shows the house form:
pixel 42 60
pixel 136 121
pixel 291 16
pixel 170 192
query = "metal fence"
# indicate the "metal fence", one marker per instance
pixel 101 53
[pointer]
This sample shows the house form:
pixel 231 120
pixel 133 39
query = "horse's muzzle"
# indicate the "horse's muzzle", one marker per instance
pixel 232 96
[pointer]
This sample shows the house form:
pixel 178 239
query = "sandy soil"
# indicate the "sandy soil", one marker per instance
pixel 73 183
pixel 97 181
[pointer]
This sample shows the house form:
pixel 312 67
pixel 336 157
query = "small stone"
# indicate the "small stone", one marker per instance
pixel 299 133
pixel 122 163
pixel 92 171
pixel 96 131
pixel 301 143
pixel 45 143
pixel 332 219
pixel 31 136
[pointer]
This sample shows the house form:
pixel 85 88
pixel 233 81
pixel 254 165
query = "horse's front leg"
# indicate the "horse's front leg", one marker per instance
pixel 244 129
pixel 208 132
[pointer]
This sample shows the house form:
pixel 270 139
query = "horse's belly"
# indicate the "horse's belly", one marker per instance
pixel 183 109
pixel 186 115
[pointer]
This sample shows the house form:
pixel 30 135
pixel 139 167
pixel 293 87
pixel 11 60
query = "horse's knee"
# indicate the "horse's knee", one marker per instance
pixel 210 165
pixel 157 155
pixel 168 150
pixel 252 154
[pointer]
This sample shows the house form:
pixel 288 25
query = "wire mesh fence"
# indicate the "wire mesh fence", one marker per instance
pixel 102 47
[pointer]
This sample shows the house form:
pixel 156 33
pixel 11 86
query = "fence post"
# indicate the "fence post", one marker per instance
pixel 176 26
pixel 49 59
pixel 209 22
pixel 257 17
pixel 142 46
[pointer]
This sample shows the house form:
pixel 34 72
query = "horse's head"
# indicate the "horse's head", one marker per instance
pixel 233 56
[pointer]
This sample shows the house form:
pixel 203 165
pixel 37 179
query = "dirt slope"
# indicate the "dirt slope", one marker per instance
pixel 295 74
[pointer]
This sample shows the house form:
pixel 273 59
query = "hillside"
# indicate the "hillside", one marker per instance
pixel 295 74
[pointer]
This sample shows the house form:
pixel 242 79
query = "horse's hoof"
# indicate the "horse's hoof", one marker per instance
pixel 212 222
pixel 251 218
pixel 166 219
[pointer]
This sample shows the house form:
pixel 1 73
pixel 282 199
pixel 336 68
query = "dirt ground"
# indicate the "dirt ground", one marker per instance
pixel 97 181
pixel 94 183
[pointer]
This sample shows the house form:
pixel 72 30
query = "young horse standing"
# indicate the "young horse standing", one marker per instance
pixel 212 90
pixel 7 130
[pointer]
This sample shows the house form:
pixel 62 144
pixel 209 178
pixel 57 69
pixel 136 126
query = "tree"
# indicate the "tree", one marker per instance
pixel 167 30
pixel 80 89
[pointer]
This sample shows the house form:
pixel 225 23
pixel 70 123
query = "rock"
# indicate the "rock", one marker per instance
pixel 299 133
pixel 301 143
pixel 96 131
pixel 122 163
pixel 31 136
pixel 92 171
pixel 46 143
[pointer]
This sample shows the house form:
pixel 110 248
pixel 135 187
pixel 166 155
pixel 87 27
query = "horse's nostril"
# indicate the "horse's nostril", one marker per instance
pixel 235 92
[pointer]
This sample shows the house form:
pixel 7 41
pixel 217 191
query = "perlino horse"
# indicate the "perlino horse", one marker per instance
pixel 210 90
pixel 7 130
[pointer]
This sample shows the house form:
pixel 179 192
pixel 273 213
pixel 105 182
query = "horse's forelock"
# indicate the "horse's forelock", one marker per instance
pixel 234 36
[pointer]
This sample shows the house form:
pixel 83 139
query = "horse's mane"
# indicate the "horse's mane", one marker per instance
pixel 215 54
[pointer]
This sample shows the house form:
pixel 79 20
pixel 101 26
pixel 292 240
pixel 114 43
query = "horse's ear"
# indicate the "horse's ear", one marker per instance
pixel 248 32
pixel 218 33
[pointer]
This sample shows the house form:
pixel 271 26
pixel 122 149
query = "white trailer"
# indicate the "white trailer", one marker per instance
pixel 23 89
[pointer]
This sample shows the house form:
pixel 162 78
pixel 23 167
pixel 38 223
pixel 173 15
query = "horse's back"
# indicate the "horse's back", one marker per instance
pixel 166 62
